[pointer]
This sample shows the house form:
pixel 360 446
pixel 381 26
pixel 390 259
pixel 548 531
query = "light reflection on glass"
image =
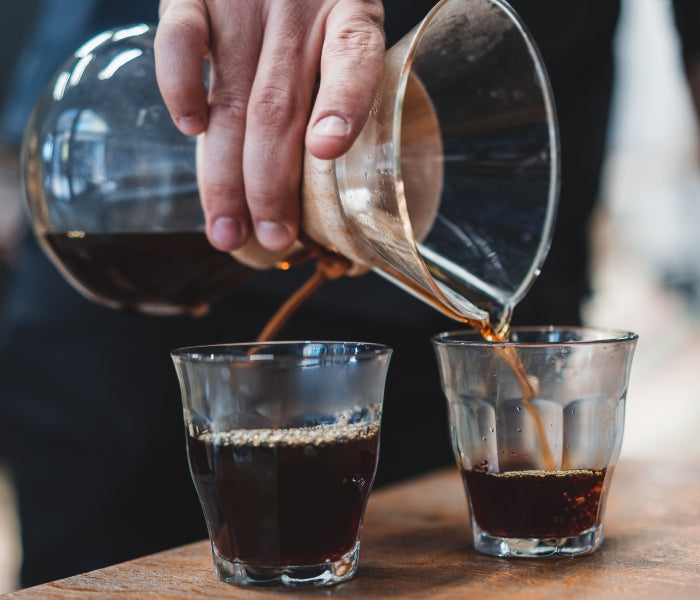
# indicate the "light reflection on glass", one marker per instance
pixel 59 87
pixel 122 34
pixel 79 69
pixel 93 43
pixel 118 62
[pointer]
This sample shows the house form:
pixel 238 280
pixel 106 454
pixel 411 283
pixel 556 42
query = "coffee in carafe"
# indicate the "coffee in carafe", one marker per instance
pixel 136 270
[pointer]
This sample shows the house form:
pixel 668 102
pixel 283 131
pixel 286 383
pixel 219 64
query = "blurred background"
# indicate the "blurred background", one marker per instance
pixel 646 272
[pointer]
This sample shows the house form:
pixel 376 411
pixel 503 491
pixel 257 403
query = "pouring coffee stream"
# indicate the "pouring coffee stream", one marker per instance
pixel 334 266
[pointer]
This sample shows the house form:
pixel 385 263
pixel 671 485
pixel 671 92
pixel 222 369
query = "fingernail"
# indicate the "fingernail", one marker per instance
pixel 273 235
pixel 332 126
pixel 193 125
pixel 227 233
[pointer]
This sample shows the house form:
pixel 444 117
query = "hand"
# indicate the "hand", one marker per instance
pixel 266 57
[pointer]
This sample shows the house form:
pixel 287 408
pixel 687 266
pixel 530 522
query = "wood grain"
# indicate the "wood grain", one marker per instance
pixel 416 544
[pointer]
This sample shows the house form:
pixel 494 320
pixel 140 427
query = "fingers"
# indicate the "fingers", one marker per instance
pixel 189 31
pixel 181 43
pixel 265 59
pixel 347 40
pixel 351 68
pixel 278 111
pixel 236 38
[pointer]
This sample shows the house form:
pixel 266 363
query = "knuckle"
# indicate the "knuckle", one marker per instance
pixel 173 28
pixel 271 198
pixel 232 105
pixel 274 106
pixel 178 29
pixel 227 191
pixel 265 199
pixel 228 198
pixel 360 36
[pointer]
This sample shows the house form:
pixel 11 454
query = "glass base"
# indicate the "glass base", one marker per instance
pixel 327 573
pixel 585 543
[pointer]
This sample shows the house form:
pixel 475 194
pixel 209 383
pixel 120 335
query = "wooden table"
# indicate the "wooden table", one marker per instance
pixel 416 544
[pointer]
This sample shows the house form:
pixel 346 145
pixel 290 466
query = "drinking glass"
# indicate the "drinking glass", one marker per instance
pixel 283 442
pixel 536 425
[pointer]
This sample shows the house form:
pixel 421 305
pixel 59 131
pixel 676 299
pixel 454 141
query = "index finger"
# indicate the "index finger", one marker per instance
pixel 351 67
pixel 181 44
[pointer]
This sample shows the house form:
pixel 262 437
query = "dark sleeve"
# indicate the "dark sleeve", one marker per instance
pixel 687 14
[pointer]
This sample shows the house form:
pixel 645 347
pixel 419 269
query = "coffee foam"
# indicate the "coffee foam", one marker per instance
pixel 548 474
pixel 318 435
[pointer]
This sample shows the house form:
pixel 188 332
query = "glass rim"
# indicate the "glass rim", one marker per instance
pixel 589 335
pixel 274 350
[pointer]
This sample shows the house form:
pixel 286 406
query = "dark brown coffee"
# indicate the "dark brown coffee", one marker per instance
pixel 279 497
pixel 536 504
pixel 166 272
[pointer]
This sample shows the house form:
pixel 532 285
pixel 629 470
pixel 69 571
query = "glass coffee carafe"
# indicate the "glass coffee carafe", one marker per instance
pixel 450 190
